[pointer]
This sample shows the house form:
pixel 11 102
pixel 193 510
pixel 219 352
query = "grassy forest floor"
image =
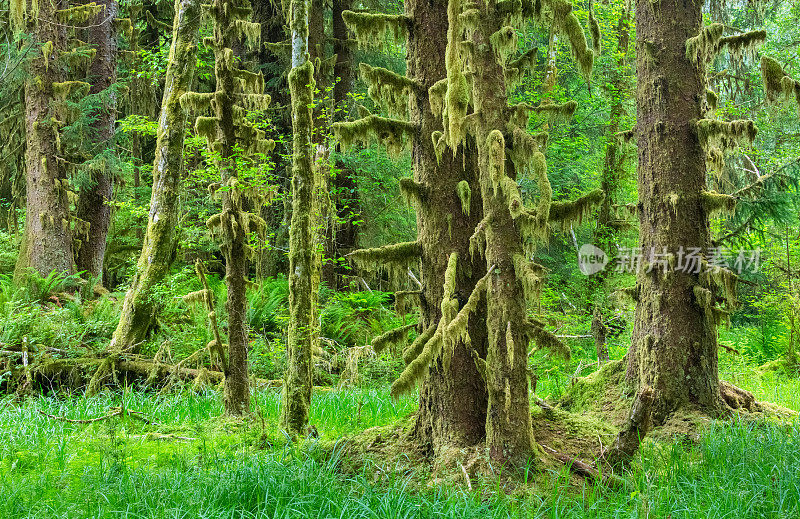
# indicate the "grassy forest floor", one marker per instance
pixel 190 462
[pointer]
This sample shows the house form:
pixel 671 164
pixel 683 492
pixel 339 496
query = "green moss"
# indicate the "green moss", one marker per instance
pixel 570 27
pixel 392 133
pixel 567 214
pixel 418 367
pixel 79 14
pixel 391 338
pixel 705 45
pixel 717 202
pixel 464 193
pixel 247 31
pixel 557 112
pixel 778 85
pixel 718 136
pixel 515 69
pixel 594 27
pixel 388 89
pixel 530 275
pixel 67 89
pixel 496 152
pixel 374 29
pixel 197 102
pixel 399 253
pixel 436 96
pixel 504 42
pixel 745 44
pixel 547 340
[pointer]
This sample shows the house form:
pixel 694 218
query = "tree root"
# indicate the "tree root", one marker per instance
pixel 639 424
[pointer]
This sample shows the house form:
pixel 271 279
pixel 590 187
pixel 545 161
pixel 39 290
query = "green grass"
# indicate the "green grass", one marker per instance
pixel 51 468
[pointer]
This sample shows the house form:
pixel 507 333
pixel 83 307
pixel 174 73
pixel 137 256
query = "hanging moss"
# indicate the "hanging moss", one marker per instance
pixel 79 14
pixel 457 104
pixel 392 133
pixel 594 27
pixel 570 27
pixel 374 29
pixel 412 190
pixel 717 202
pixel 47 49
pixel 402 300
pixel 436 96
pixel 567 214
pixel 207 127
pixel 530 275
pixel 515 69
pixel 418 367
pixel 398 253
pixel 495 144
pixel 17 11
pixel 415 348
pixel 387 89
pixel 704 298
pixel 745 44
pixel 546 340
pixel 510 189
pixel 718 136
pixel 722 282
pixel 701 48
pixel 248 31
pixel 777 83
pixel 196 101
pixel 67 89
pixel 457 328
pixel 557 112
pixel 391 338
pixel 504 42
pixel 464 193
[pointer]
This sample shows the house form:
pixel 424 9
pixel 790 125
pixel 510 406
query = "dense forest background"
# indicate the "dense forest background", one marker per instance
pixel 227 208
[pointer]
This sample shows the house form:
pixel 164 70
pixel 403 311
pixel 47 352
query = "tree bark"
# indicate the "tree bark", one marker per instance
pixel 674 348
pixel 453 399
pixel 158 250
pixel 47 245
pixel 93 202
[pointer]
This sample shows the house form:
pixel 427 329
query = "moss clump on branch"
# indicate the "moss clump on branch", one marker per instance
pixel 571 28
pixel 374 29
pixel 704 46
pixel 436 97
pixel 778 85
pixel 392 133
pixel 418 367
pixel 196 101
pixel 415 348
pixel 567 214
pixel 79 14
pixel 388 89
pixel 515 69
pixel 547 340
pixel 391 338
pixel 745 44
pixel 557 112
pixel 399 254
pixel 67 89
pixel 718 136
pixel 717 202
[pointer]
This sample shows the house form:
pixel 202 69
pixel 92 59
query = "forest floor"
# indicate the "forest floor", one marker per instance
pixel 190 462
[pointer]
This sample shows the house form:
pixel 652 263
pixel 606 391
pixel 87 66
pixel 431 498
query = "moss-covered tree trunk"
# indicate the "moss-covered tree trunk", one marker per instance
pixel 93 202
pixel 298 381
pixel 452 404
pixel 158 250
pixel 674 347
pixel 509 436
pixel 47 244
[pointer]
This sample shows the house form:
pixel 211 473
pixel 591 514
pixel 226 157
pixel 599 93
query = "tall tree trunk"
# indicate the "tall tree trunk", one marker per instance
pixel 613 170
pixel 298 381
pixel 674 348
pixel 47 244
pixel 158 251
pixel 452 403
pixel 93 202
